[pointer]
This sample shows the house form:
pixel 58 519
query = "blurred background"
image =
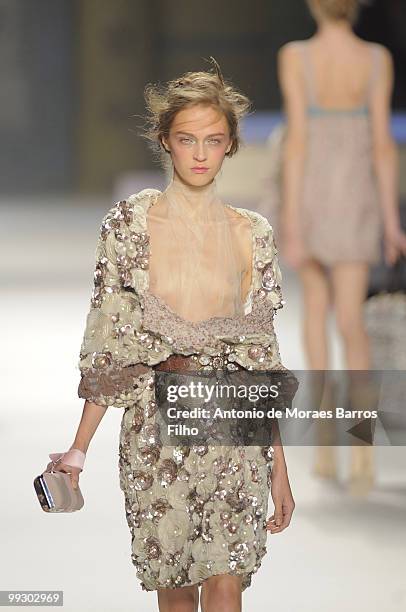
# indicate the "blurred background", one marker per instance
pixel 73 74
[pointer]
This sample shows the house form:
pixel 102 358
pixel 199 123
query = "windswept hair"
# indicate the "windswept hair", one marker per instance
pixel 209 88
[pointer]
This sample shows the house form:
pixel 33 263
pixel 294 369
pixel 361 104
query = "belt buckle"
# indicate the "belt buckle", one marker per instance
pixel 223 361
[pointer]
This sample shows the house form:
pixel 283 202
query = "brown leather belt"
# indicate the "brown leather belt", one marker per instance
pixel 193 363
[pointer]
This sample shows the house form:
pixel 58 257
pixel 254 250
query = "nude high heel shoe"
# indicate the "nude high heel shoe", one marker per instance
pixel 362 470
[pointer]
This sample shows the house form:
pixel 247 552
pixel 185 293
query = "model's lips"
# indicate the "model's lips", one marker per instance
pixel 199 169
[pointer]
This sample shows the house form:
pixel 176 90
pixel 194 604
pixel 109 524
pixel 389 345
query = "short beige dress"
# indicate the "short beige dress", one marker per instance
pixel 195 511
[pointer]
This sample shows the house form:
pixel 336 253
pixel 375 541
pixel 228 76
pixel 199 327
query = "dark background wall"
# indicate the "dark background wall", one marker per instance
pixel 73 73
pixel 39 93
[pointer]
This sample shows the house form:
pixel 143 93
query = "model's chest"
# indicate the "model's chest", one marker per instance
pixel 213 259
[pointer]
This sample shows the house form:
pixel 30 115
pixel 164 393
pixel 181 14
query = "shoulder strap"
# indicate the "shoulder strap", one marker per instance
pixel 308 73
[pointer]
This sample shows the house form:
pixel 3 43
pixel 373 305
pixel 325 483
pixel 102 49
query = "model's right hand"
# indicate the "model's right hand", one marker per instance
pixel 67 469
pixel 395 245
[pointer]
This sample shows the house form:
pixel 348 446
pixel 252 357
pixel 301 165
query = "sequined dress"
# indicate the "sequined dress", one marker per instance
pixel 195 511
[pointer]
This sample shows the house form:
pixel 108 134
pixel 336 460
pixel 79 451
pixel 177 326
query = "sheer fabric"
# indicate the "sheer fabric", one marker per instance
pixel 197 261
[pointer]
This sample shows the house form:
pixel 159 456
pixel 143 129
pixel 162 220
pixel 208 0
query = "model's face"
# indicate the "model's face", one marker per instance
pixel 198 141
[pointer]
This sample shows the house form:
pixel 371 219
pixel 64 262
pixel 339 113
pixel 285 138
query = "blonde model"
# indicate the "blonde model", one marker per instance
pixel 186 283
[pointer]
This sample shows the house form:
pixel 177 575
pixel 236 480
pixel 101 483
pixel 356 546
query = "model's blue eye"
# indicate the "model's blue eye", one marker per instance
pixel 214 141
pixel 186 140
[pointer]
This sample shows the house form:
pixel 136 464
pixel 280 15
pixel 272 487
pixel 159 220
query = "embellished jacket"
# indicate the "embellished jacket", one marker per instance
pixel 129 330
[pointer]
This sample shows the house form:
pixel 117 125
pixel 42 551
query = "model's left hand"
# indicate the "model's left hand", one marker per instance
pixel 67 469
pixel 282 499
pixel 395 245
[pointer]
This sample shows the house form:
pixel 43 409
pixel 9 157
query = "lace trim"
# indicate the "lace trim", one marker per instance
pixel 110 381
pixel 159 318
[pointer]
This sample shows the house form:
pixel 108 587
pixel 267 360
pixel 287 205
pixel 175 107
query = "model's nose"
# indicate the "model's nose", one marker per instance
pixel 200 152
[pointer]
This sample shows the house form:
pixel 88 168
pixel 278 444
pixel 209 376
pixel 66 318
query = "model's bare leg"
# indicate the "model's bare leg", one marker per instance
pixel 222 592
pixel 350 284
pixel 316 306
pixel 183 599
pixel 326 463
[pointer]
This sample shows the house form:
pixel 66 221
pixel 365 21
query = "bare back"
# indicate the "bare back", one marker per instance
pixel 336 71
pixel 336 90
pixel 340 76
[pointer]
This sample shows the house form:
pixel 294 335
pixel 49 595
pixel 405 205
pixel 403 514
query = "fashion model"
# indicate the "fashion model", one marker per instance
pixel 339 187
pixel 186 283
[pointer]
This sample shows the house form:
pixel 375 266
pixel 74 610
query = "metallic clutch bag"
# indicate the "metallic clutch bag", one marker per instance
pixel 54 490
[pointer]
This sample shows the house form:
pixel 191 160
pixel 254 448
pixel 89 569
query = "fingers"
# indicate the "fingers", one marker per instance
pixel 56 467
pixel 276 520
pixel 67 469
pixel 272 528
pixel 391 255
pixel 73 473
pixel 394 248
pixel 63 467
pixel 74 480
pixel 278 516
pixel 277 523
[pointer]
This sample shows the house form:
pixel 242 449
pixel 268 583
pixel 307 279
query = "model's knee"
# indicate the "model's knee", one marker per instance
pixel 179 606
pixel 182 606
pixel 178 600
pixel 316 302
pixel 316 317
pixel 350 327
pixel 225 591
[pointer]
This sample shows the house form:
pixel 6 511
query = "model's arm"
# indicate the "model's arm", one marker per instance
pixel 385 156
pixel 114 356
pixel 288 390
pixel 292 87
pixel 91 416
pixel 280 486
pixel 279 463
pixel 115 351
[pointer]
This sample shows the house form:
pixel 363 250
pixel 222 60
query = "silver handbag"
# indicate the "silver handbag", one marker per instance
pixel 54 489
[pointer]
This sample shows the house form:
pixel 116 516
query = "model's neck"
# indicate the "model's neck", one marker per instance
pixel 191 198
pixel 334 29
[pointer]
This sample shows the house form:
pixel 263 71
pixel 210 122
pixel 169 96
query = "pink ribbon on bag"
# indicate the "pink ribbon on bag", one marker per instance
pixel 73 457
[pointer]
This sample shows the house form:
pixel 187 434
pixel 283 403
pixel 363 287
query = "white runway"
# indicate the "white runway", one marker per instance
pixel 338 554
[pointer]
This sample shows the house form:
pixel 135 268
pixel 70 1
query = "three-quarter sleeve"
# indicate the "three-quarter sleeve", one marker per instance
pixel 115 352
pixel 264 353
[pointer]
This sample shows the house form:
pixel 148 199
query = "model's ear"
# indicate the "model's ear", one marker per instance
pixel 229 147
pixel 165 145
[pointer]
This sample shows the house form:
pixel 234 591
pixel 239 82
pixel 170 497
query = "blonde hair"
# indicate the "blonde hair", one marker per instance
pixel 192 88
pixel 335 9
